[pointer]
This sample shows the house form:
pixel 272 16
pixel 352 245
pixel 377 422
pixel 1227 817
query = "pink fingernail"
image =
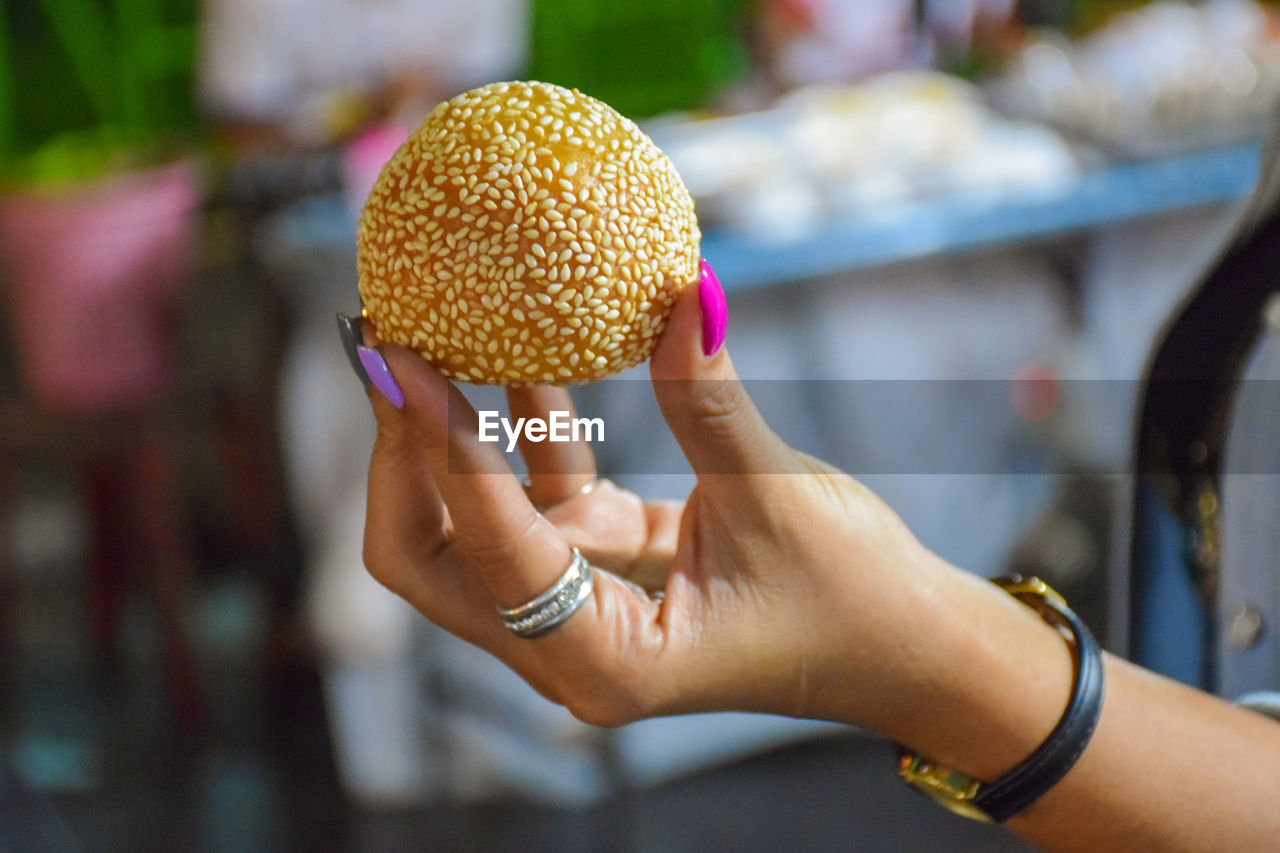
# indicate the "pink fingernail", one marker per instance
pixel 715 310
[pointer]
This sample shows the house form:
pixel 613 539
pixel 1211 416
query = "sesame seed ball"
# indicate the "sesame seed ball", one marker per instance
pixel 526 234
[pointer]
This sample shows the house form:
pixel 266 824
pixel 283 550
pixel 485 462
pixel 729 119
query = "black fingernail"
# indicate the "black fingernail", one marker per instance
pixel 349 331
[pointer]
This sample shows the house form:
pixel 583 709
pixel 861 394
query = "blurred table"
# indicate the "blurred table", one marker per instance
pixel 1104 196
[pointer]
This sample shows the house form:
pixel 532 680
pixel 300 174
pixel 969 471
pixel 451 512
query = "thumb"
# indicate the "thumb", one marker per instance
pixel 703 401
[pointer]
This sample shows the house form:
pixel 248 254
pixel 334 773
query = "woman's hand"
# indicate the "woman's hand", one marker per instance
pixel 786 587
pixel 775 579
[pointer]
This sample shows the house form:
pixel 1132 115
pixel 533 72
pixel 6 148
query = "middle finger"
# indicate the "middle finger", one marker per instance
pixel 558 470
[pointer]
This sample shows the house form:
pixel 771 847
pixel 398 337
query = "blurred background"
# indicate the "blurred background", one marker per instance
pixel 1002 201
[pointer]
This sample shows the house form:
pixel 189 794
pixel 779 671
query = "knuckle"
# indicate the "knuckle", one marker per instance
pixel 392 559
pixel 487 550
pixel 718 400
pixel 378 568
pixel 720 411
pixel 379 564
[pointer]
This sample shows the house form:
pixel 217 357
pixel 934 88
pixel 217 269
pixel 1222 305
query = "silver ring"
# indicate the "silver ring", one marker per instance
pixel 560 601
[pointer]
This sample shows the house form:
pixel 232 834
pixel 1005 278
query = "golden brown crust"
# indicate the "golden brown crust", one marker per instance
pixel 526 233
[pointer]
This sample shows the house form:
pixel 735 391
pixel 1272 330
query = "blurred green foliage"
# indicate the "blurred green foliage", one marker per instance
pixel 642 57
pixel 88 86
pixel 1085 16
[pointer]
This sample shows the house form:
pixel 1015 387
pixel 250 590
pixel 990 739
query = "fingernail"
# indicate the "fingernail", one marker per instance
pixel 349 331
pixel 715 310
pixel 380 375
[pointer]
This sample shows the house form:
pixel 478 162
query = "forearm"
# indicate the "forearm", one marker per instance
pixel 1169 768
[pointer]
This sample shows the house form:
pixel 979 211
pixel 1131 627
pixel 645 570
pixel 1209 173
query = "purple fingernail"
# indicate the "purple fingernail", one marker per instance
pixel 380 375
pixel 715 310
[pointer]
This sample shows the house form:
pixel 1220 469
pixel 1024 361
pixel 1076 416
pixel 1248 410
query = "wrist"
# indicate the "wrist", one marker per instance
pixel 971 678
pixel 1001 683
pixel 1013 792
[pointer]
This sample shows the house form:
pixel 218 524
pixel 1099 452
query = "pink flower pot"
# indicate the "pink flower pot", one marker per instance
pixel 91 279
pixel 363 159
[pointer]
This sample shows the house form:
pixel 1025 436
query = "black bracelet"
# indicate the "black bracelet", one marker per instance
pixel 1003 798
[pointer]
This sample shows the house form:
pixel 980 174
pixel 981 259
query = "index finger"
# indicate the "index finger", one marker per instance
pixel 517 552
